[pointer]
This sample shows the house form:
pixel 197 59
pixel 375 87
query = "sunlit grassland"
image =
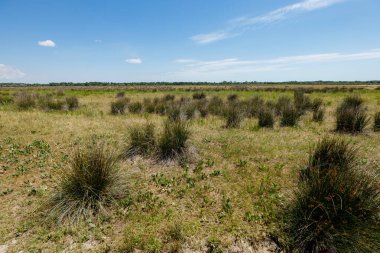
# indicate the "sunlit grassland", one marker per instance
pixel 242 178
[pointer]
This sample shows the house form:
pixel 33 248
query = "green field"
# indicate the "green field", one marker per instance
pixel 227 198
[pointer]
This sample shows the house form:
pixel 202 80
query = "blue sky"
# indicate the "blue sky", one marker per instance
pixel 189 40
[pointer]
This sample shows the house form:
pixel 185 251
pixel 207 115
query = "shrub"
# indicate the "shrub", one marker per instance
pixel 376 123
pixel 118 106
pixel 135 107
pixel 143 140
pixel 72 103
pixel 336 207
pixel 234 115
pixel 25 100
pixel 216 106
pixel 91 183
pixel 266 118
pixel 199 95
pixel 173 140
pixel 351 115
pixel 289 116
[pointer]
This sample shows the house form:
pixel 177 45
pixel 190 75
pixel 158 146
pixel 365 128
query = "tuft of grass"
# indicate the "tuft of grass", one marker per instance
pixel 376 122
pixel 135 107
pixel 48 103
pixel 336 206
pixel 266 118
pixel 301 102
pixel 319 114
pixel 283 102
pixel 216 106
pixel 119 106
pixel 25 100
pixel 234 115
pixel 232 97
pixel 330 153
pixel 5 98
pixel 120 94
pixel 90 184
pixel 199 95
pixel 254 106
pixel 72 103
pixel 289 116
pixel 351 115
pixel 143 140
pixel 173 140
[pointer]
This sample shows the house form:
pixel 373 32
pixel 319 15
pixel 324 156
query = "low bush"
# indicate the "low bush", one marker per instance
pixel 91 183
pixel 376 122
pixel 172 142
pixel 119 106
pixel 336 206
pixel 351 115
pixel 143 140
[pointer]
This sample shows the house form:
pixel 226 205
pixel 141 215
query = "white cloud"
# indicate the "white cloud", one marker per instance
pixel 98 41
pixel 46 43
pixel 235 65
pixel 238 25
pixel 8 72
pixel 184 60
pixel 134 61
pixel 209 37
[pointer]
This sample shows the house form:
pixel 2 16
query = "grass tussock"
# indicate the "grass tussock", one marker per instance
pixel 199 95
pixel 119 106
pixel 351 115
pixel 173 140
pixel 142 140
pixel 289 116
pixel 91 183
pixel 135 107
pixel 25 100
pixel 234 115
pixel 266 118
pixel 376 122
pixel 72 103
pixel 336 205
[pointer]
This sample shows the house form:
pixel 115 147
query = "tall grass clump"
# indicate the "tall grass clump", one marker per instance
pixel 135 107
pixel 282 103
pixel 5 98
pixel 90 184
pixel 119 106
pixel 216 106
pixel 376 122
pixel 318 110
pixel 266 118
pixel 301 102
pixel 336 205
pixel 172 142
pixel 351 115
pixel 199 95
pixel 72 103
pixel 254 106
pixel 143 140
pixel 234 115
pixel 289 116
pixel 25 100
